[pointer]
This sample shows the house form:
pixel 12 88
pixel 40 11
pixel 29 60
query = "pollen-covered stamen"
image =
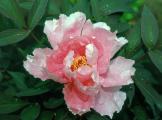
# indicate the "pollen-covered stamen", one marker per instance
pixel 78 62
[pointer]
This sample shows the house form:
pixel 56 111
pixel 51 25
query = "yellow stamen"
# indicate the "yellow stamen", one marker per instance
pixel 78 62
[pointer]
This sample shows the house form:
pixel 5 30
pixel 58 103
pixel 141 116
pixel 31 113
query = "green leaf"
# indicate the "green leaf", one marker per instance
pixel 102 8
pixel 96 10
pixel 134 39
pixel 11 36
pixel 9 117
pixel 130 91
pixel 11 9
pixel 138 55
pixel 6 23
pixel 31 112
pixel 61 114
pixel 1 76
pixel 5 59
pixel 113 6
pixel 19 79
pixel 150 94
pixel 53 8
pixel 156 57
pixel 38 89
pixel 46 115
pixel 37 12
pixel 146 75
pixel 64 114
pixel 53 103
pixel 66 6
pixel 149 28
pixel 140 113
pixel 83 6
pixel 95 116
pixel 9 106
pixel 32 92
pixel 26 4
pixel 114 22
pixel 10 90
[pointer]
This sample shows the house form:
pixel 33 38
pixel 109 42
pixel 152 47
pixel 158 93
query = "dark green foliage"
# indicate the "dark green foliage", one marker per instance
pixel 23 97
pixel 10 105
pixel 31 112
pixel 36 12
pixel 156 57
pixel 149 28
pixel 11 36
pixel 11 9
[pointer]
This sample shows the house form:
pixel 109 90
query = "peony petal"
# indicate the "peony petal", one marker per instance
pixel 36 64
pixel 120 42
pixel 105 41
pixel 55 65
pixel 85 82
pixel 69 59
pixel 85 70
pixel 108 101
pixel 102 25
pixel 91 54
pixel 77 102
pixel 120 72
pixel 64 27
pixel 49 30
pixel 67 64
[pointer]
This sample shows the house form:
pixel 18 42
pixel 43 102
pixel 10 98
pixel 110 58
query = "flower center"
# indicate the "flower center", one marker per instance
pixel 78 62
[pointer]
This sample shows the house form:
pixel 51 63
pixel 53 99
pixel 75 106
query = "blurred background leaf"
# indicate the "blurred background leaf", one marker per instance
pixel 11 9
pixel 149 28
pixel 31 112
pixel 36 13
pixel 12 36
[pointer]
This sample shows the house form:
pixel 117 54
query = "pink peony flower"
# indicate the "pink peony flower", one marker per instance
pixel 80 59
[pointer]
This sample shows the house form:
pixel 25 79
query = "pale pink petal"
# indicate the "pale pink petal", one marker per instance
pixel 65 27
pixel 85 70
pixel 105 41
pixel 76 44
pixel 77 102
pixel 102 25
pixel 69 59
pixel 49 30
pixel 119 73
pixel 56 62
pixel 55 65
pixel 87 28
pixel 36 64
pixel 85 82
pixel 108 101
pixel 91 54
pixel 67 64
pixel 120 42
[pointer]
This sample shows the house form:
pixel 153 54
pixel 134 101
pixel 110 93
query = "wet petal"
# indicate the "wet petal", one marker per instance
pixel 65 27
pixel 36 64
pixel 120 72
pixel 91 54
pixel 109 101
pixel 77 102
